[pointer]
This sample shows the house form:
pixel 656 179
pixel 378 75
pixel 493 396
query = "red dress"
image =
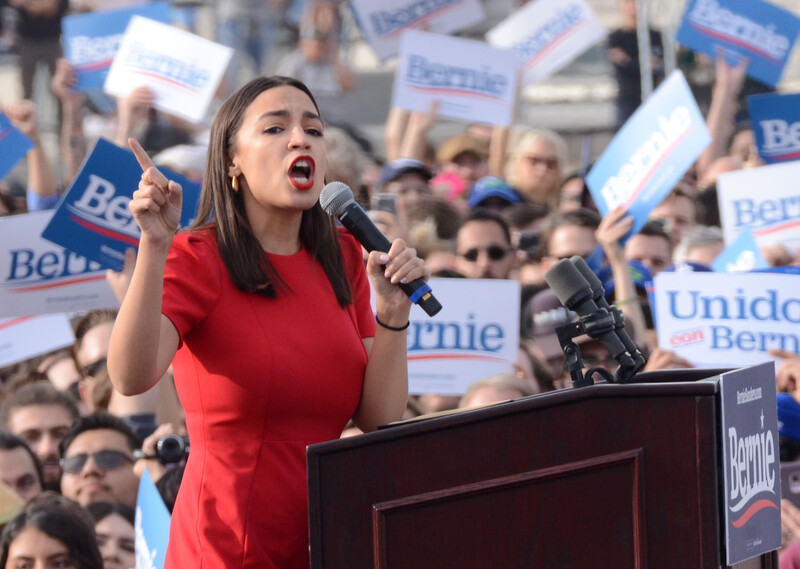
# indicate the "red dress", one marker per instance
pixel 259 380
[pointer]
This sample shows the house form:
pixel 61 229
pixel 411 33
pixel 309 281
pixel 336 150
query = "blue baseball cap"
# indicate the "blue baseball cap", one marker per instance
pixel 492 187
pixel 639 273
pixel 788 416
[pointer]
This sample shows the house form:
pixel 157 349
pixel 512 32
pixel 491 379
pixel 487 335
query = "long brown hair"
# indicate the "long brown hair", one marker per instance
pixel 247 264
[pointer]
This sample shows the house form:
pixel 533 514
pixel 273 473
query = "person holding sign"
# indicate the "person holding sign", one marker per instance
pixel 265 309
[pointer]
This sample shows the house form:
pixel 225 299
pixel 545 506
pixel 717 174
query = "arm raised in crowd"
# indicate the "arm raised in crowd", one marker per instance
pixel 73 140
pixel 144 341
pixel 722 112
pixel 41 176
pixel 132 113
pixel 614 226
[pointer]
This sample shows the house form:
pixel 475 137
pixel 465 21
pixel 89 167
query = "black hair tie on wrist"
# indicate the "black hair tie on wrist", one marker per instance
pixel 392 328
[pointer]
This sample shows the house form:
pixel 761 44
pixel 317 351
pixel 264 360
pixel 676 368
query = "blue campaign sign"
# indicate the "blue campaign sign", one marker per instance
pixel 152 525
pixel 650 153
pixel 740 256
pixel 13 146
pixel 757 30
pixel 93 219
pixel 91 40
pixel 776 124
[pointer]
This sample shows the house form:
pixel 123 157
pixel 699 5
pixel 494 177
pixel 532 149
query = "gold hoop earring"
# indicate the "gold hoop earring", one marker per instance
pixel 235 183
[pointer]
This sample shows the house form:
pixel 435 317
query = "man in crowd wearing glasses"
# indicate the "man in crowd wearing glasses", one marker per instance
pixel 41 416
pixel 97 461
pixel 483 246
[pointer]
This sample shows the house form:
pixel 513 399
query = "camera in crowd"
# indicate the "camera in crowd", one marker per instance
pixel 170 449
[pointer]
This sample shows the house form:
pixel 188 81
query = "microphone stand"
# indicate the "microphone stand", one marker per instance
pixel 592 325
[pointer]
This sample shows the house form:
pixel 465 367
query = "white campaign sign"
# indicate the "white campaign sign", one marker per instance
pixel 27 336
pixel 716 321
pixel 39 277
pixel 546 35
pixel 766 200
pixel 471 80
pixel 383 21
pixel 182 69
pixel 475 335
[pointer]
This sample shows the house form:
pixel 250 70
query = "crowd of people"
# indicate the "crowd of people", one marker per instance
pixel 80 425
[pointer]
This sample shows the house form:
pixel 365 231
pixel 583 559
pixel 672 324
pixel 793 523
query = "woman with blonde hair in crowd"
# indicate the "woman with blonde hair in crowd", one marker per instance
pixel 535 165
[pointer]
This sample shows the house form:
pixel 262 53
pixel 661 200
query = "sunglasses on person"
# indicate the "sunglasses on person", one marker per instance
pixel 90 370
pixel 495 252
pixel 549 163
pixel 105 460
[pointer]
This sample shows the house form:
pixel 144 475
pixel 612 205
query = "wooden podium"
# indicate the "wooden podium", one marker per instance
pixel 607 476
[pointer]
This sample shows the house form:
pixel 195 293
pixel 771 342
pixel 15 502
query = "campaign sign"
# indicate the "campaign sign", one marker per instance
pixel 741 256
pixel 182 69
pixel 760 31
pixel 713 320
pixel 466 340
pixel 152 525
pixel 383 21
pixel 773 216
pixel 470 79
pixel 650 153
pixel 547 34
pixel 38 277
pixel 91 40
pixel 13 146
pixel 27 336
pixel 776 124
pixel 93 217
pixel 750 462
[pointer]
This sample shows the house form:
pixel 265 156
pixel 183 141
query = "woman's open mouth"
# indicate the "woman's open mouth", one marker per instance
pixel 301 172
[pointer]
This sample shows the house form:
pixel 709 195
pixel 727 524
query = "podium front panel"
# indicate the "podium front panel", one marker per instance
pixel 608 476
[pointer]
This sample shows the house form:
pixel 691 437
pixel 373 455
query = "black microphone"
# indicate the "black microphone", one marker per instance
pixel 599 296
pixel 337 200
pixel 575 293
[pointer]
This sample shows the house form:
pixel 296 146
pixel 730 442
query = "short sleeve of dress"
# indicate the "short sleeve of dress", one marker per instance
pixel 192 280
pixel 359 284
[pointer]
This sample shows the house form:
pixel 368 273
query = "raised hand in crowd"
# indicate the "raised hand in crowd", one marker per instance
pixel 41 176
pixel 666 359
pixel 779 256
pixel 121 280
pixel 722 111
pixel 73 139
pixel 614 226
pixel 132 113
pixel 787 373
pixel 790 524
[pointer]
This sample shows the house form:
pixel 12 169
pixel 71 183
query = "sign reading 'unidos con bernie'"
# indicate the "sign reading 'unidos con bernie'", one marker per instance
pixel 713 320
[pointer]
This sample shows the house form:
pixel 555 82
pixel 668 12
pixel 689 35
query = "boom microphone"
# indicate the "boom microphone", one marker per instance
pixel 599 296
pixel 575 293
pixel 337 200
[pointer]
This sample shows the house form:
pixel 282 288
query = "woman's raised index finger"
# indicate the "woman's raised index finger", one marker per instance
pixel 141 156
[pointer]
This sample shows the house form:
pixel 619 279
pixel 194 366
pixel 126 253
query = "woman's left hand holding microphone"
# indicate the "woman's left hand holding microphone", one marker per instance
pixel 386 271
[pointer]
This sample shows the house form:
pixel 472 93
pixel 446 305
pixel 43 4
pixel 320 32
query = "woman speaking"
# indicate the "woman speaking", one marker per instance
pixel 264 307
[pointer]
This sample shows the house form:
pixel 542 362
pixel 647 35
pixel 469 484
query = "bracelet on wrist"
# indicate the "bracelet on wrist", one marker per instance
pixel 392 328
pixel 625 301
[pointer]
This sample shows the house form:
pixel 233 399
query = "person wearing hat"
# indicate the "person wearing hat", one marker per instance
pixel 491 192
pixel 407 179
pixel 466 155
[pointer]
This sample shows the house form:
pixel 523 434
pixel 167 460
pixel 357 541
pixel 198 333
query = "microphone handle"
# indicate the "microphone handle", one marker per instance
pixel 362 228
